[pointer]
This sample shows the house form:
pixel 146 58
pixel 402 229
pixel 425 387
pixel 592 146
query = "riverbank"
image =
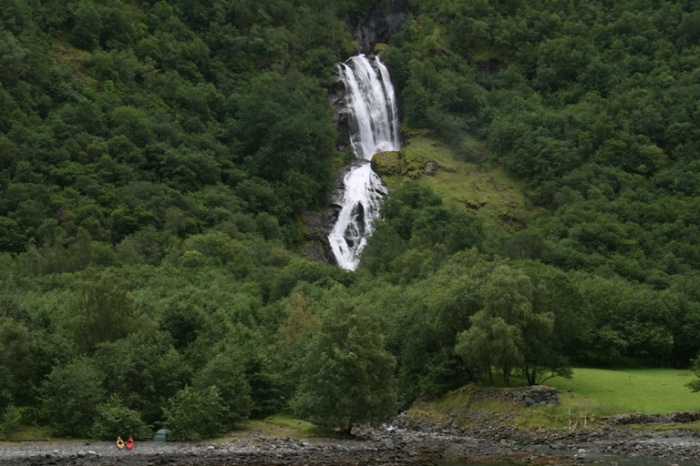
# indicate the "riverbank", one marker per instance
pixel 389 446
pixel 380 447
pixel 472 425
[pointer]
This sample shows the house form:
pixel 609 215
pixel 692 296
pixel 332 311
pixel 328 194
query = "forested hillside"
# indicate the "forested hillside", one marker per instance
pixel 158 160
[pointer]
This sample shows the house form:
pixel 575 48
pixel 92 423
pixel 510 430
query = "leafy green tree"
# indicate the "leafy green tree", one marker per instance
pixel 115 419
pixel 88 25
pixel 143 370
pixel 70 397
pixel 12 235
pixel 347 377
pixel 694 385
pixel 10 420
pixel 491 342
pixel 509 333
pixel 5 388
pixel 281 125
pixel 18 355
pixel 14 65
pixel 194 414
pixel 103 311
pixel 226 372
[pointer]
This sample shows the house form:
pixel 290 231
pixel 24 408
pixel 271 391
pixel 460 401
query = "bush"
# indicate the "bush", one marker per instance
pixel 194 414
pixel 226 372
pixel 70 396
pixel 114 419
pixel 10 420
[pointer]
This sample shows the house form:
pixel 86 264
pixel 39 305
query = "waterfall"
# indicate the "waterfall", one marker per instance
pixel 374 127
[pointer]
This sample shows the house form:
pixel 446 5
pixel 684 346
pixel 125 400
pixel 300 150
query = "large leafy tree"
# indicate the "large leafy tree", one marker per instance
pixel 196 413
pixel 347 377
pixel 226 372
pixel 508 332
pixel 143 370
pixel 18 354
pixel 71 395
pixel 104 311
pixel 282 125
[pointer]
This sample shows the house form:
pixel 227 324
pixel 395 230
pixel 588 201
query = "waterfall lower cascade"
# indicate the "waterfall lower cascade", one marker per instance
pixel 374 127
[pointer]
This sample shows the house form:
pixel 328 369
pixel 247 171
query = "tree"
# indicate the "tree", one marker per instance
pixel 508 332
pixel 226 372
pixel 346 375
pixel 88 26
pixel 103 311
pixel 14 65
pixel 694 385
pixel 282 123
pixel 194 414
pixel 71 395
pixel 10 420
pixel 114 419
pixel 144 370
pixel 474 346
pixel 18 355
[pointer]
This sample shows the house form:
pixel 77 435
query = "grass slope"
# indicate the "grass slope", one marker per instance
pixel 281 425
pixel 586 398
pixel 635 390
pixel 488 192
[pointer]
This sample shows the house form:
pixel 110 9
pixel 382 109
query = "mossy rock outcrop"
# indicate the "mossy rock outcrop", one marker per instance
pixel 396 163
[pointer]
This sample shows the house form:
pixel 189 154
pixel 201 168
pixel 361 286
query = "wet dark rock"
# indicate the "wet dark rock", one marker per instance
pixel 378 24
pixel 317 249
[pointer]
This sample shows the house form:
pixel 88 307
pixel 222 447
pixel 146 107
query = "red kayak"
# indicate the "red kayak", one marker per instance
pixel 129 443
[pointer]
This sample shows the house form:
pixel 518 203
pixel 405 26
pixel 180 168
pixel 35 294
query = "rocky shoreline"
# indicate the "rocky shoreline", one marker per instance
pixel 428 444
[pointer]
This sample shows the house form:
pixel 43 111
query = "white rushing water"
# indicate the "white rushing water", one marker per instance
pixel 374 127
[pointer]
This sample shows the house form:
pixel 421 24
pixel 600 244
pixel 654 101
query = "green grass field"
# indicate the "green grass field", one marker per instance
pixel 634 390
pixel 592 394
pixel 595 393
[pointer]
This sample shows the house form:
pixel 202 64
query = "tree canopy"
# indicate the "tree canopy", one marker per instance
pixel 165 167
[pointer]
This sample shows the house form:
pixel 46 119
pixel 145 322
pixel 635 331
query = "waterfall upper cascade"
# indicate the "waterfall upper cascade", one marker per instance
pixel 374 127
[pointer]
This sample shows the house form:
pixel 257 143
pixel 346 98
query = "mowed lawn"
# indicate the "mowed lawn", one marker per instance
pixel 634 390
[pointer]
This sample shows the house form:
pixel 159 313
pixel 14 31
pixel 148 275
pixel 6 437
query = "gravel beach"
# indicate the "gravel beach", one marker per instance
pixel 409 440
pixel 395 446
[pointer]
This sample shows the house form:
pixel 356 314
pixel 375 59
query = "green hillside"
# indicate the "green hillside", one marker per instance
pixel 490 193
pixel 164 166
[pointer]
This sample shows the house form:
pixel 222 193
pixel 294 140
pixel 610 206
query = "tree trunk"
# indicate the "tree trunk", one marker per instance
pixel 531 376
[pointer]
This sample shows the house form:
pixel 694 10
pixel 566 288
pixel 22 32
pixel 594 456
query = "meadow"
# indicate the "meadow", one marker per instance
pixel 630 390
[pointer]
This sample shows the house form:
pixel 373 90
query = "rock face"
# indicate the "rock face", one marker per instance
pixel 537 395
pixel 378 24
pixel 341 114
pixel 317 249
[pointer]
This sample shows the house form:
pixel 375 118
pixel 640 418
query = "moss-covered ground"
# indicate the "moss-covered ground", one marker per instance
pixel 488 192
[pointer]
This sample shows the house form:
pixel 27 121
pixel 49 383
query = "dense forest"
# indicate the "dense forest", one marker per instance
pixel 159 161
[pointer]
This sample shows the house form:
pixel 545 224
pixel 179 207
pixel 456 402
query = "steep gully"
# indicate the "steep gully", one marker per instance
pixel 374 127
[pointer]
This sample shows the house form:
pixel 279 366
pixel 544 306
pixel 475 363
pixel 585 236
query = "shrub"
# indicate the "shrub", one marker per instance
pixel 70 396
pixel 114 419
pixel 194 414
pixel 10 420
